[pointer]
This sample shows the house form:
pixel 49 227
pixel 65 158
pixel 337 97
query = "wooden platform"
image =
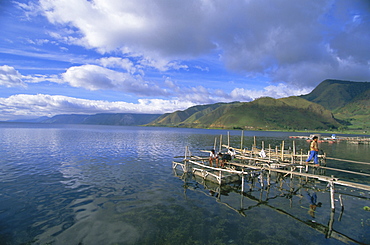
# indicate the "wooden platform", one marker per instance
pixel 213 174
pixel 247 163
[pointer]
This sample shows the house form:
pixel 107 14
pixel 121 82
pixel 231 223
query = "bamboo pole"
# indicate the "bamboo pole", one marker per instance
pixel 228 139
pixel 220 143
pixel 241 140
pixel 332 201
pixel 337 159
pixel 242 181
pixel 269 152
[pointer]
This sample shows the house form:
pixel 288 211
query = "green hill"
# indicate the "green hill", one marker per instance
pixel 264 113
pixel 335 94
pixel 177 117
pixel 349 101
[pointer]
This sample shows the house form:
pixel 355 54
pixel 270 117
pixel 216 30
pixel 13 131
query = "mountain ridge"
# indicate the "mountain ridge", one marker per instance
pixel 349 100
pixel 331 105
pixel 119 119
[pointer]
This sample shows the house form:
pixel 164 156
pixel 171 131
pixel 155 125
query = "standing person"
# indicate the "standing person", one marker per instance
pixel 212 156
pixel 314 151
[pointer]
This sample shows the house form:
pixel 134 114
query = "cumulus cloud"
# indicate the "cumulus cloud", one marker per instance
pixel 10 77
pixel 93 77
pixel 253 37
pixel 114 62
pixel 26 106
pixel 275 91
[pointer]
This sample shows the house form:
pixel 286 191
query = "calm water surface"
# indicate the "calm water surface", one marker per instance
pixel 81 184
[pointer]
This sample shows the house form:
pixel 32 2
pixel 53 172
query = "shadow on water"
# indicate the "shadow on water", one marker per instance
pixel 273 196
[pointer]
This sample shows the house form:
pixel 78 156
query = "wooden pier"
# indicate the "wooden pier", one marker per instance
pixel 264 161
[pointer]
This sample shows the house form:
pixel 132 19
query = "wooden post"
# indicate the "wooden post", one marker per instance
pixel 214 146
pixel 241 140
pixel 292 161
pixel 254 144
pixel 228 139
pixel 332 195
pixel 220 143
pixel 242 180
pixel 276 151
pixel 269 153
pixel 220 181
pixel 294 152
pixel 282 151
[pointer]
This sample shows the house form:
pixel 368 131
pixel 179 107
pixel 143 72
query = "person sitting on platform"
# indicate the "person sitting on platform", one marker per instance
pixel 213 156
pixel 225 158
pixel 219 159
pixel 231 152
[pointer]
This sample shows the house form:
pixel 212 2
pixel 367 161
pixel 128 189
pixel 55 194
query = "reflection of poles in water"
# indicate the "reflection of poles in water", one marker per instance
pixel 328 230
pixel 330 224
pixel 342 209
pixel 260 179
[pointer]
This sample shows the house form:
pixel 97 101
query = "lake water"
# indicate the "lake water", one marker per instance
pixel 84 184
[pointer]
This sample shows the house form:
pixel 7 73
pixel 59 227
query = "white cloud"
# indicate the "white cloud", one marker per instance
pixel 94 77
pixel 27 106
pixel 279 91
pixel 113 62
pixel 9 77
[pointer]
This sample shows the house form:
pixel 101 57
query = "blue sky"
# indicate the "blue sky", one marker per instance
pixel 158 56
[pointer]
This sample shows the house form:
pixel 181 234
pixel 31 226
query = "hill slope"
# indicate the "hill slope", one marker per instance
pixel 264 113
pixel 349 101
pixel 335 94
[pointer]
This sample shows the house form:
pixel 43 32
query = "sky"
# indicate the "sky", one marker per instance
pixel 159 56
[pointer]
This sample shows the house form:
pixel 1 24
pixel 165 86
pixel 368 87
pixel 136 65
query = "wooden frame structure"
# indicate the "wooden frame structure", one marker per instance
pixel 275 160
